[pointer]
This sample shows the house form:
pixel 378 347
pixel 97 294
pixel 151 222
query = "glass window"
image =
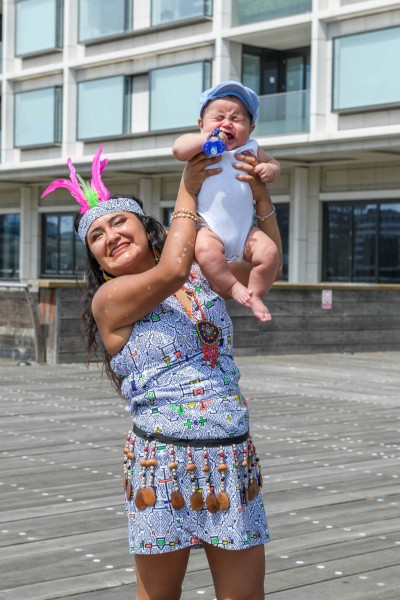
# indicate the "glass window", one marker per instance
pixel 362 242
pixel 282 215
pixel 38 26
pixel 9 246
pixel 366 70
pixel 37 116
pixel 102 18
pixel 62 249
pixel 111 116
pixel 166 11
pixel 174 95
pixel 252 11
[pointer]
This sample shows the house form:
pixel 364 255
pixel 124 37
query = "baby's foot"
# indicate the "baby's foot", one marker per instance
pixel 259 309
pixel 241 294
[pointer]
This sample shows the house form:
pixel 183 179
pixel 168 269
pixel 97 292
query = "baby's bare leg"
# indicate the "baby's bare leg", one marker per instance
pixel 209 253
pixel 262 253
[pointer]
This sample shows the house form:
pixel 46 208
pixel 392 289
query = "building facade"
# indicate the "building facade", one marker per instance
pixel 128 74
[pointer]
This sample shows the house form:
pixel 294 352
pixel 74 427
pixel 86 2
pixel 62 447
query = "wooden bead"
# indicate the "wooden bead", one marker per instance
pixel 212 503
pixel 126 450
pixel 223 500
pixel 196 501
pixel 130 455
pixel 172 466
pixel 177 500
pixel 222 467
pixel 205 469
pixel 152 462
pixel 139 500
pixel 253 489
pixel 244 463
pixel 191 467
pixel 143 462
pixel 128 490
pixel 149 496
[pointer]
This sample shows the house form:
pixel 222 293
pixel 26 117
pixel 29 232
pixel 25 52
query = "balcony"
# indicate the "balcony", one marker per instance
pixel 244 12
pixel 284 113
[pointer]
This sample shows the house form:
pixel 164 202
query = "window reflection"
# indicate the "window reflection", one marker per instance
pixel 101 18
pixel 62 250
pixel 362 242
pixel 111 116
pixel 365 69
pixel 182 85
pixel 37 117
pixel 9 246
pixel 166 11
pixel 47 15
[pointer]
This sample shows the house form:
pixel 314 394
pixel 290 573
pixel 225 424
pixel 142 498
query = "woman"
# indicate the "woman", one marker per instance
pixel 192 477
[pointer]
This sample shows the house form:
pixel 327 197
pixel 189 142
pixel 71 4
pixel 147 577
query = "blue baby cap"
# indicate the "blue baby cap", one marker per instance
pixel 232 88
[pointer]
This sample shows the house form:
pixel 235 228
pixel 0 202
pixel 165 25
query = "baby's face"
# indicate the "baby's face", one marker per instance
pixel 231 116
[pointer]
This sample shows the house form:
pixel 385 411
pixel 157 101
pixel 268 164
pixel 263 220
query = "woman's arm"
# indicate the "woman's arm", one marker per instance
pixel 120 302
pixel 263 202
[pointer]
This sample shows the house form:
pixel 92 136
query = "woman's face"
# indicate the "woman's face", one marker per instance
pixel 120 244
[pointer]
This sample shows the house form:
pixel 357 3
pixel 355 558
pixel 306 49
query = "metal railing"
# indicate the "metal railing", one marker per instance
pixel 253 11
pixel 284 113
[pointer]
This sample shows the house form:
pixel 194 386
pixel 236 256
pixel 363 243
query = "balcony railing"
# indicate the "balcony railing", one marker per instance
pixel 245 11
pixel 284 113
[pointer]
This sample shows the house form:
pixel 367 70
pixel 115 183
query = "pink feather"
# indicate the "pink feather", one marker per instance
pixel 96 182
pixel 64 183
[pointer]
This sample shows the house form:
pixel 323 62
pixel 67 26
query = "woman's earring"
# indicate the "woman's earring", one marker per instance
pixel 106 277
pixel 155 252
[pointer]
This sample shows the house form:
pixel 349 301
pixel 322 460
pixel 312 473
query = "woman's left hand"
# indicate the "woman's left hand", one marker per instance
pixel 247 173
pixel 194 173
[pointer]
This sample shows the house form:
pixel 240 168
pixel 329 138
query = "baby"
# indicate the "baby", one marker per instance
pixel 228 113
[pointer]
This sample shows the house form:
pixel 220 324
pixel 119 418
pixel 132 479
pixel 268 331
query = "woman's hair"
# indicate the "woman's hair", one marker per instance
pixel 94 278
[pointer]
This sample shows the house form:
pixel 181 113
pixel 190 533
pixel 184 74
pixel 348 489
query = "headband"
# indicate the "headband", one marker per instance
pixel 94 199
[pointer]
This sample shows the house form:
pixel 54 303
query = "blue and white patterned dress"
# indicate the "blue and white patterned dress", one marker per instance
pixel 171 391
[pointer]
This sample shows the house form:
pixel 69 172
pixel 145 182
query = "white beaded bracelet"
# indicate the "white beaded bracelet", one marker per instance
pixel 273 211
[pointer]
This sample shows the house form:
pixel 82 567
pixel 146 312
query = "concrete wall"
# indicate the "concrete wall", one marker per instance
pixel 360 319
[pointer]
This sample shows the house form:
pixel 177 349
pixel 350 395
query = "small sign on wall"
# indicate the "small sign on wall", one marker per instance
pixel 326 299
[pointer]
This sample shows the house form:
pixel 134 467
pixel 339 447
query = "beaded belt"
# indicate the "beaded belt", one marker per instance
pixel 208 443
pixel 246 468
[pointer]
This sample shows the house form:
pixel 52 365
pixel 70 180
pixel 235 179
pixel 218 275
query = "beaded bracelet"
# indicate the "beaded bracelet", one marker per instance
pixel 273 211
pixel 184 212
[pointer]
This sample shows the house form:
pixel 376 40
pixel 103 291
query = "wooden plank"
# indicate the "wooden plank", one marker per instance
pixel 326 427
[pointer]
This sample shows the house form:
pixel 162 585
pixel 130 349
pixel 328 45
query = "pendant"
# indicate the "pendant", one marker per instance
pixel 209 335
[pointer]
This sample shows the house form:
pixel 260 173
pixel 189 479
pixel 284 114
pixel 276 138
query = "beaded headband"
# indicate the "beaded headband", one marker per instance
pixel 94 199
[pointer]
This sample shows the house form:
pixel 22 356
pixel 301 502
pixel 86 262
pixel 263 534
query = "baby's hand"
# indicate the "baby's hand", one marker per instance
pixel 223 137
pixel 266 172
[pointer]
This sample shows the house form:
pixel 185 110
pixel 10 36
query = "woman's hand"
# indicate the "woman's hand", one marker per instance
pixel 248 174
pixel 264 207
pixel 194 173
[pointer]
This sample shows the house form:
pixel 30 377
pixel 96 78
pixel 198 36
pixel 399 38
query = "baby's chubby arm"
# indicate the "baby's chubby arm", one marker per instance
pixel 268 169
pixel 189 145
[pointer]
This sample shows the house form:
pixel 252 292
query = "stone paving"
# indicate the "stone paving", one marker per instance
pixel 327 431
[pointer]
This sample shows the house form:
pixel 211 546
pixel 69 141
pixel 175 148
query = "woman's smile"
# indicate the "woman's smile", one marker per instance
pixel 119 248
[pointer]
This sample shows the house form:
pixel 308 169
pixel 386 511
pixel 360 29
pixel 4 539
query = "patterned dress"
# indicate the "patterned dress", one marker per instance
pixel 172 391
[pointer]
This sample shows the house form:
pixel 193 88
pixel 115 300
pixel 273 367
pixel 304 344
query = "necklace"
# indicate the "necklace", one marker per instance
pixel 209 333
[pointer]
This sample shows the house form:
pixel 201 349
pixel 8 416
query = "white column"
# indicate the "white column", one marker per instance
pixel 314 227
pixel 146 195
pixel 298 240
pixel 222 58
pixel 29 234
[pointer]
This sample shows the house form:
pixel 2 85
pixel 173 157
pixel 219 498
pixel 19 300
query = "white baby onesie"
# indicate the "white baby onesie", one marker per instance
pixel 226 204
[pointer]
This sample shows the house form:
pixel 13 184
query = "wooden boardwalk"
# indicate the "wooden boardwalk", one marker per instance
pixel 327 431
